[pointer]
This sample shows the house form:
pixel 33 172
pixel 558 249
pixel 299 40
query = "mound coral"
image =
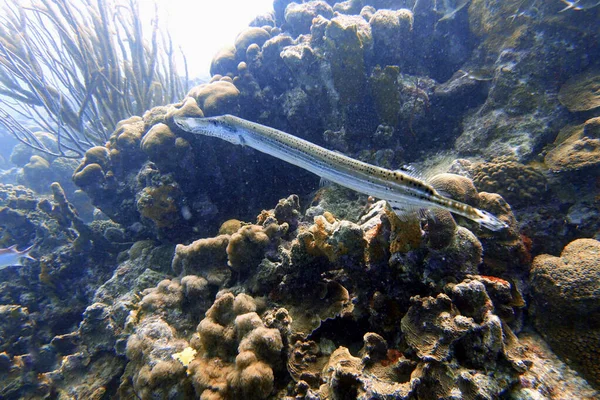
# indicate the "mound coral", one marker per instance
pixel 167 150
pixel 237 353
pixel 300 16
pixel 216 98
pixel 248 36
pixel 519 184
pixel 566 303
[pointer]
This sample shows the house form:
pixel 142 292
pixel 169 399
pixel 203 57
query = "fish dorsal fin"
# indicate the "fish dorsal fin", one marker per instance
pixel 421 173
pixel 13 248
pixel 404 211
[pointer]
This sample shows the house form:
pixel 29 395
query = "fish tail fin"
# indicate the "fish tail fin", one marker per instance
pixel 489 221
pixel 25 253
pixel 570 6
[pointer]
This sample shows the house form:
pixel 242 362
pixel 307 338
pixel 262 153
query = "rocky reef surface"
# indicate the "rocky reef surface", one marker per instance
pixel 178 286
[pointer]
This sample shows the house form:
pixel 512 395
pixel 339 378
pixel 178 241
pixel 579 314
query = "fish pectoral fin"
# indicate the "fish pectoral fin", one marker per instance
pixel 324 182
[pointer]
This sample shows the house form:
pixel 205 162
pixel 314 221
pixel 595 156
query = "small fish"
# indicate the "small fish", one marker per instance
pixel 404 192
pixel 450 12
pixel 580 5
pixel 481 75
pixel 11 256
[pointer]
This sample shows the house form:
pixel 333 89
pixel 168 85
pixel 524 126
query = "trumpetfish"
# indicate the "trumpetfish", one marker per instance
pixel 405 193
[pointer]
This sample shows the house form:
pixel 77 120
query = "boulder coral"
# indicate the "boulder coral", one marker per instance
pixel 566 304
pixel 520 185
pixel 216 98
pixel 224 61
pixel 299 16
pixel 237 353
pixel 250 35
pixel 167 150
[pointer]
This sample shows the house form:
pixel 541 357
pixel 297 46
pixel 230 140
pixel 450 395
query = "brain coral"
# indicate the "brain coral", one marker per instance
pixel 519 184
pixel 566 303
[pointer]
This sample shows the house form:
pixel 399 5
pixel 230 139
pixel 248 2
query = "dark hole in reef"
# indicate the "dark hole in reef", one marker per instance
pixel 346 388
pixel 343 332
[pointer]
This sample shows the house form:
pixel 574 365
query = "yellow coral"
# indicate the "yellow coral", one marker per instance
pixel 160 205
pixel 186 356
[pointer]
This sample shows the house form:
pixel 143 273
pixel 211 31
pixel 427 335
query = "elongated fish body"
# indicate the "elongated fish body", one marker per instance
pixel 404 192
pixel 11 256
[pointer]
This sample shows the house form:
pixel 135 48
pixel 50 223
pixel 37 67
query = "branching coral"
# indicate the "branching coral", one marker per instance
pixel 79 68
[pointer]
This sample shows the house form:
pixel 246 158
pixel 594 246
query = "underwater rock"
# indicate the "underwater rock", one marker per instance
pixel 522 112
pixel 383 84
pixel 576 147
pixel 300 16
pixel 580 92
pixel 566 304
pixel 16 329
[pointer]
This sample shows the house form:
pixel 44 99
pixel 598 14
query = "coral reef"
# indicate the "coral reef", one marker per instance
pixel 182 287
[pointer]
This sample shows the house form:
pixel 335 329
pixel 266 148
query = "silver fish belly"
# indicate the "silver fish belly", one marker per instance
pixel 404 192
pixel 11 256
